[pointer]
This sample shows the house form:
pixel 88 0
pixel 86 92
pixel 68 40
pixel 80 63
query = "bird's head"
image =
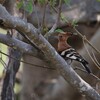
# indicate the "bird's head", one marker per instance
pixel 64 36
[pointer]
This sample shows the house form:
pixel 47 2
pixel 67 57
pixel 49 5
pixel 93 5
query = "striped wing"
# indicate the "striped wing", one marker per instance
pixel 71 54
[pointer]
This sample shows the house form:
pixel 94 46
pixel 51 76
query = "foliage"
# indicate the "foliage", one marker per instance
pixel 74 23
pixel 41 1
pixel 67 2
pixel 63 18
pixel 29 8
pixel 19 4
pixel 29 5
pixel 26 6
pixel 98 0
pixel 59 31
pixel 53 2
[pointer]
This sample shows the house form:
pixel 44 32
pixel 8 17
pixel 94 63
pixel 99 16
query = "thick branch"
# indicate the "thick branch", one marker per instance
pixel 24 48
pixel 15 43
pixel 63 68
pixel 9 80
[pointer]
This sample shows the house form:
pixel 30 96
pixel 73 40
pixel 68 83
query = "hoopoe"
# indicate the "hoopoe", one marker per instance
pixel 67 52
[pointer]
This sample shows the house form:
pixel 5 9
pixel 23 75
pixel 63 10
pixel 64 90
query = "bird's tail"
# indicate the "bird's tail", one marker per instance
pixel 85 64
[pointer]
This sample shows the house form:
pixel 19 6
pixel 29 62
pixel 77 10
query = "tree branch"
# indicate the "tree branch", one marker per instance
pixel 89 43
pixel 94 76
pixel 35 65
pixel 9 80
pixel 98 51
pixel 52 56
pixel 57 21
pixel 44 15
pixel 22 46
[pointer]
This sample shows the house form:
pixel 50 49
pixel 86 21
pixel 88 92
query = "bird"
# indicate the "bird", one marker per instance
pixel 68 52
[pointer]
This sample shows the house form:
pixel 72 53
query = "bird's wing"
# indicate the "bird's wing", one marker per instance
pixel 72 54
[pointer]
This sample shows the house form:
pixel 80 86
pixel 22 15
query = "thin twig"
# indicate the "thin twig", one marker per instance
pixel 27 62
pixel 1 60
pixel 98 51
pixel 3 63
pixel 37 17
pixel 95 76
pixel 24 12
pixel 57 12
pixel 57 21
pixel 90 54
pixel 44 15
pixel 76 68
pixel 95 58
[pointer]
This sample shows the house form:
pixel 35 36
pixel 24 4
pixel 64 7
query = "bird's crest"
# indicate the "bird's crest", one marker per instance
pixel 63 36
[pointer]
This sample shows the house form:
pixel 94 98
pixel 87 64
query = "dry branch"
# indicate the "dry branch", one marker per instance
pixel 17 44
pixel 9 80
pixel 57 21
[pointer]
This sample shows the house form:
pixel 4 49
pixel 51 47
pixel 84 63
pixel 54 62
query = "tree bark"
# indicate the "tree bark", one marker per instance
pixel 13 65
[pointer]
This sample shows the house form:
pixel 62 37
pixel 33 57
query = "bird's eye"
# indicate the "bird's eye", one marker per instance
pixel 61 36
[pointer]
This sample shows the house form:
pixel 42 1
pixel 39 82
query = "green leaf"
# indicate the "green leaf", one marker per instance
pixel 59 30
pixel 98 0
pixel 53 2
pixel 19 4
pixel 63 18
pixel 74 23
pixel 41 2
pixel 67 2
pixel 29 6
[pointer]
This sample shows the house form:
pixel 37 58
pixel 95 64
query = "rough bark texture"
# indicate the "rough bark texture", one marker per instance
pixel 20 45
pixel 9 80
pixel 13 65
